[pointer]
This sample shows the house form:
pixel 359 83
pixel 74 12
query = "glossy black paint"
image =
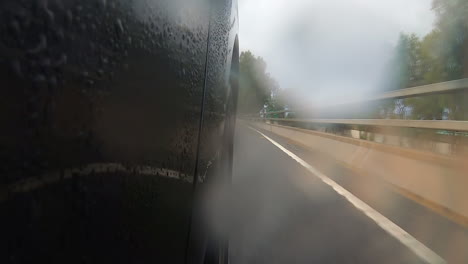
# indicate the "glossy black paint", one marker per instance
pixel 100 117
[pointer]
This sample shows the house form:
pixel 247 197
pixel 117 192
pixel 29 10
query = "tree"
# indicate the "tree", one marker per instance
pixel 434 70
pixel 256 86
pixel 452 22
pixel 441 55
pixel 404 67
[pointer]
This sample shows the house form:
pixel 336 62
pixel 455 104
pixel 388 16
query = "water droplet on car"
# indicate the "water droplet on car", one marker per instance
pixel 69 17
pixel 15 27
pixel 16 67
pixel 119 26
pixel 62 60
pixel 39 78
pixel 53 81
pixel 40 46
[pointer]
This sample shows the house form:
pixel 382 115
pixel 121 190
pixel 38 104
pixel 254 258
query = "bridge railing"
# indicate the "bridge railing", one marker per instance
pixel 436 88
pixel 450 125
pixel 419 91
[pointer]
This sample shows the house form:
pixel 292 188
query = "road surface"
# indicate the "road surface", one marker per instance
pixel 283 213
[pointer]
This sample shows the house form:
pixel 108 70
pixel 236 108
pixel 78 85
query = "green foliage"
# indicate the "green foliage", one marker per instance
pixel 452 21
pixel 442 55
pixel 432 61
pixel 256 86
pixel 278 100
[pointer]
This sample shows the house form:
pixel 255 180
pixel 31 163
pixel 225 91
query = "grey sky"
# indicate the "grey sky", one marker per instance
pixel 329 48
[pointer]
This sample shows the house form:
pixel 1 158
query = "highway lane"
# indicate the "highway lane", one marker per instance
pixel 284 214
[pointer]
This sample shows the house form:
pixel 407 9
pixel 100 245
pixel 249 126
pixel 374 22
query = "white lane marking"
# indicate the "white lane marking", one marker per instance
pixel 397 232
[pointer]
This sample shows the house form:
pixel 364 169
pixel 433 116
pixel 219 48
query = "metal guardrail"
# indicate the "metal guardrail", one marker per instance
pixel 436 88
pixel 427 124
pixel 443 87
pixel 278 112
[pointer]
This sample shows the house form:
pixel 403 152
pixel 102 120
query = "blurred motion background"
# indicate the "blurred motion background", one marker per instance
pixel 329 59
pixel 372 93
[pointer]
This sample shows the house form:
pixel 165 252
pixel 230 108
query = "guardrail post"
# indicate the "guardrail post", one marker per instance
pixel 464 105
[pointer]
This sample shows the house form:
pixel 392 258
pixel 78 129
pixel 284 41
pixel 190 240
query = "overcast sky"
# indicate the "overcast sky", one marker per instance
pixel 329 49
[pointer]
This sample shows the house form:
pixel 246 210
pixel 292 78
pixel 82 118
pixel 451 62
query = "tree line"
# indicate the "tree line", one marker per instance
pixel 257 87
pixel 441 55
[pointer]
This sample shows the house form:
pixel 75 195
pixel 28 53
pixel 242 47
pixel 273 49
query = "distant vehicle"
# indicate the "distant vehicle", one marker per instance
pixel 113 115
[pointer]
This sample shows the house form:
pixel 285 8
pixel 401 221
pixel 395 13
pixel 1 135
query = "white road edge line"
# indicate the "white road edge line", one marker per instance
pixel 397 232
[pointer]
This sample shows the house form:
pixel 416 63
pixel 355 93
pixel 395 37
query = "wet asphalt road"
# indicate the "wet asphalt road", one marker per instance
pixel 284 214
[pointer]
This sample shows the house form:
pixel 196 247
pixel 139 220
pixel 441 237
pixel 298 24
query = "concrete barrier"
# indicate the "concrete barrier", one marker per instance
pixel 438 180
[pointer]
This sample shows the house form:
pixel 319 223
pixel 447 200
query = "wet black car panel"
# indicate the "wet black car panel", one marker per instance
pixel 100 112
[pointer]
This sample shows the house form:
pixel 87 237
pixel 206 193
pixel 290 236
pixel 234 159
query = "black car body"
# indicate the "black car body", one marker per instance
pixel 113 115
